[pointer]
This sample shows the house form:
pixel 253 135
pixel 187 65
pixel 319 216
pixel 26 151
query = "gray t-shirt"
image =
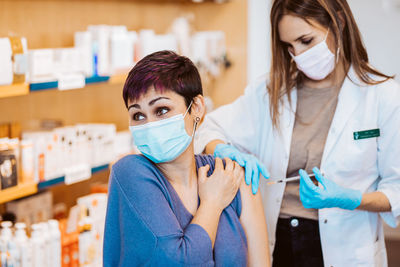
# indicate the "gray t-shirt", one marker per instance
pixel 314 114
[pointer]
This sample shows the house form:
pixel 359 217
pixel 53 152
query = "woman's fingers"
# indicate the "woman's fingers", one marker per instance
pixel 218 164
pixel 263 170
pixel 228 164
pixel 202 173
pixel 238 173
pixel 255 179
pixel 306 179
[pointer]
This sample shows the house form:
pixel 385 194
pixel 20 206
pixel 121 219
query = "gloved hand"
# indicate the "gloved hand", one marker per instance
pixel 331 196
pixel 253 167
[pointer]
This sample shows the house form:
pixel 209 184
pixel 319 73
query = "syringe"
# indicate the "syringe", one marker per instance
pixel 285 180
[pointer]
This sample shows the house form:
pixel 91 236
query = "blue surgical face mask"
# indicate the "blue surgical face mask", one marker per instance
pixel 163 140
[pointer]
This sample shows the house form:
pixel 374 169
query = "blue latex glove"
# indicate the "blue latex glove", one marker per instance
pixel 253 167
pixel 331 196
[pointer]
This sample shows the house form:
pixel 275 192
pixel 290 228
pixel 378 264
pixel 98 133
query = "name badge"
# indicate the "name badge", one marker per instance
pixel 367 134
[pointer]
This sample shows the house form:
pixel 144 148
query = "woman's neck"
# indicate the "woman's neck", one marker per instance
pixel 182 170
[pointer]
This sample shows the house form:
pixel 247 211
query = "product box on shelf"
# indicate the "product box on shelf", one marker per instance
pixel 47 154
pixel 122 52
pixel 101 47
pixel 101 138
pixel 33 209
pixel 19 47
pixel 9 162
pixel 27 161
pixel 6 67
pixel 41 65
pixel 149 42
pixel 83 42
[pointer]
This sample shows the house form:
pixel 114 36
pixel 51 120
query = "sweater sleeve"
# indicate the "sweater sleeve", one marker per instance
pixel 141 227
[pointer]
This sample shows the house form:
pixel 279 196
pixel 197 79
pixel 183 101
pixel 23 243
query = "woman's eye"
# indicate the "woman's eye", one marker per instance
pixel 138 116
pixel 306 42
pixel 161 111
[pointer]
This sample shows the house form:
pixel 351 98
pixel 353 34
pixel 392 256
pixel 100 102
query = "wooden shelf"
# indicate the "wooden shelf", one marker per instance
pixel 60 180
pixel 118 79
pixel 14 90
pixel 25 190
pixel 54 84
pixel 17 192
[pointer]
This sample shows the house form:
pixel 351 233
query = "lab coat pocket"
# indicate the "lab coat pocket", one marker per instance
pixel 371 255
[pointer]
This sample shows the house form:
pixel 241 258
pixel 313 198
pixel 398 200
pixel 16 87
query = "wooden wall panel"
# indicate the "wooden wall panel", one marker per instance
pixel 51 23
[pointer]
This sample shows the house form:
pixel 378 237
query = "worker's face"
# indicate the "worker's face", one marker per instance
pixel 156 105
pixel 299 35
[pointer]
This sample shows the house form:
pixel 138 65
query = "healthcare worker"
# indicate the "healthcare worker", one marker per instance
pixel 322 110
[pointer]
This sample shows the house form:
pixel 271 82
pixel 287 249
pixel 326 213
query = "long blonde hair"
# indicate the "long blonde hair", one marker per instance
pixel 333 14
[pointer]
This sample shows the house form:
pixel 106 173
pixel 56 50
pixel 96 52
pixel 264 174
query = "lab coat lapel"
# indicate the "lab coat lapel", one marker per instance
pixel 287 121
pixel 348 100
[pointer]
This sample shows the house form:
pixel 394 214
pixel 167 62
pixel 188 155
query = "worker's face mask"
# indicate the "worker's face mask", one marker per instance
pixel 317 62
pixel 163 140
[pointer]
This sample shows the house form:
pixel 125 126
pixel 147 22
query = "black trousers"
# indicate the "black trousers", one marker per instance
pixel 297 243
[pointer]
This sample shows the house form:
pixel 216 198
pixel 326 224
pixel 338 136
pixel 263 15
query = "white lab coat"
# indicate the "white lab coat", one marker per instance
pixel 348 238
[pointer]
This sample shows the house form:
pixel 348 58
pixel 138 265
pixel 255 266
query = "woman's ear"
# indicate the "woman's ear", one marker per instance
pixel 198 107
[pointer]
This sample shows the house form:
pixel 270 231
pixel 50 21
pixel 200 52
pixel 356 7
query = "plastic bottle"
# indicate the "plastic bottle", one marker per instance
pixel 23 245
pixel 38 246
pixel 55 240
pixel 47 244
pixel 8 249
pixel 87 248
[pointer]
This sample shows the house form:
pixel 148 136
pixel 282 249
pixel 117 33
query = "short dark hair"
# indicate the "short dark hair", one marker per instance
pixel 165 70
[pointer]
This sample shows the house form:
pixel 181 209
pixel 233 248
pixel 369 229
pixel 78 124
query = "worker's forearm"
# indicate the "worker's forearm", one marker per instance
pixel 210 147
pixel 207 216
pixel 375 201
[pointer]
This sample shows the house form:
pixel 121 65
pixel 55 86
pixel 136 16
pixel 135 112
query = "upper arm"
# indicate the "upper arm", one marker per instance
pixel 254 224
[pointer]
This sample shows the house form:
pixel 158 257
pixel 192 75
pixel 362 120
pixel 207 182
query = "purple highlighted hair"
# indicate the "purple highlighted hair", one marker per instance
pixel 165 70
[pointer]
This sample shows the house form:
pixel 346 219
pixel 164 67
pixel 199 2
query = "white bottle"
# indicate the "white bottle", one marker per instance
pixel 38 246
pixel 5 236
pixel 8 249
pixel 87 249
pixel 47 244
pixel 55 240
pixel 23 246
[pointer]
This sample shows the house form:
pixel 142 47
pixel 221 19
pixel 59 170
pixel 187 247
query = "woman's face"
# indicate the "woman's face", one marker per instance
pixel 155 106
pixel 299 35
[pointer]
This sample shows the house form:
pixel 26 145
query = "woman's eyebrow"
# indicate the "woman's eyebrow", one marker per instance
pixel 155 100
pixel 134 106
pixel 150 103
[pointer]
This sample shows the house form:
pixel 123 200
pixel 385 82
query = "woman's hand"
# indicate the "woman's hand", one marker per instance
pixel 330 196
pixel 252 165
pixel 220 188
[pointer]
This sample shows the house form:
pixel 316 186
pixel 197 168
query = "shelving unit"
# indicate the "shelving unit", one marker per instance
pixel 101 101
pixel 25 190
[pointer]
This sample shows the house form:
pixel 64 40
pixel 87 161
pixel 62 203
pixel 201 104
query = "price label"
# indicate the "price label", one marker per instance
pixel 77 173
pixel 71 81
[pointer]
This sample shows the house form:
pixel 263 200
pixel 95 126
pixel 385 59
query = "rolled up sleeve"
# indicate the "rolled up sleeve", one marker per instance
pixel 389 150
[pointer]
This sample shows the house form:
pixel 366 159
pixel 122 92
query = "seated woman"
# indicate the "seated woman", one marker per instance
pixel 169 207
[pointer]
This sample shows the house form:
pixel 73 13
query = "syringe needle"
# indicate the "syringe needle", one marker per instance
pixel 285 180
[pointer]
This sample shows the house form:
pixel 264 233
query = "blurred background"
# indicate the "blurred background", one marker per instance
pixel 63 64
